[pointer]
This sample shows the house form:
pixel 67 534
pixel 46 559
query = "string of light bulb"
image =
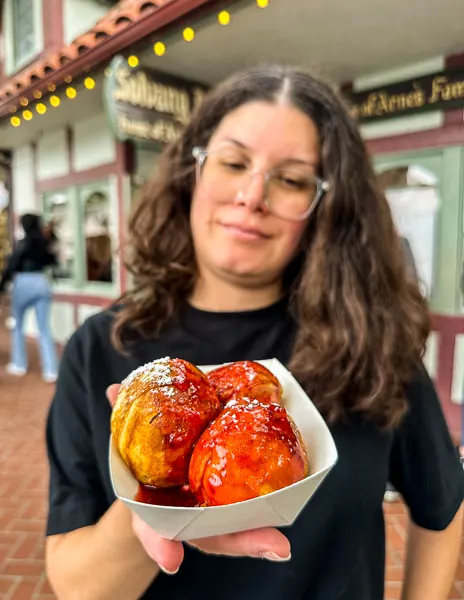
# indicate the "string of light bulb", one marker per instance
pixel 159 49
pixel 54 101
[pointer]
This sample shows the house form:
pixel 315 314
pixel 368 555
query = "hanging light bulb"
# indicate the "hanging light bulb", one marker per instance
pixel 71 93
pixel 41 108
pixel 15 121
pixel 89 83
pixel 224 17
pixel 133 61
pixel 159 48
pixel 189 34
pixel 55 101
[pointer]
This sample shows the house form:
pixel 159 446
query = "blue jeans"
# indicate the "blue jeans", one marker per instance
pixel 33 290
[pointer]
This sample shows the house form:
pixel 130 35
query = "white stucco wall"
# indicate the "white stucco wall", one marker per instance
pixel 52 155
pixel 85 311
pixel 94 144
pixel 23 180
pixel 79 16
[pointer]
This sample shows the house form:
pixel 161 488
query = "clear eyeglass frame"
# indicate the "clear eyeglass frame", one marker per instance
pixel 322 186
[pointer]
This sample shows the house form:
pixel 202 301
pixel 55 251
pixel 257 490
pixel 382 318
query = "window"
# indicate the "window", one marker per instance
pixel 98 246
pixel 58 213
pixel 414 198
pixel 23 30
pixel 23 33
pixel 82 220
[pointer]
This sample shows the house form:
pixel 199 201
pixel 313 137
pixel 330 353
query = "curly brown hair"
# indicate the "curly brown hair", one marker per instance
pixel 362 324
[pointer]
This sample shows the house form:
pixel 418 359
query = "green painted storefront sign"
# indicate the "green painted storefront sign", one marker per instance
pixel 439 91
pixel 146 106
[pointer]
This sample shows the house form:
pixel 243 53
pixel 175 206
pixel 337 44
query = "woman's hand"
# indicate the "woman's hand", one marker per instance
pixel 265 543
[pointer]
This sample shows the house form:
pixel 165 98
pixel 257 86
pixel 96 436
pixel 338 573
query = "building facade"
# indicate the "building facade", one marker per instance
pixel 82 141
pixel 419 157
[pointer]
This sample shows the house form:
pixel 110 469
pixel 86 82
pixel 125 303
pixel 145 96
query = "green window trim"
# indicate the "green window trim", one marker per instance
pixel 448 165
pixel 76 196
pixel 14 63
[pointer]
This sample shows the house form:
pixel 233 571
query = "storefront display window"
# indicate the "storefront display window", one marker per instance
pixel 97 237
pixel 59 218
pixel 81 219
pixel 23 28
pixel 414 199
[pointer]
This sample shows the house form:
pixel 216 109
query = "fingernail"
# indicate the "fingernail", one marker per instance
pixel 169 572
pixel 275 557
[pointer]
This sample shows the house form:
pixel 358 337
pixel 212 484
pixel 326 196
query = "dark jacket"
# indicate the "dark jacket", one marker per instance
pixel 31 255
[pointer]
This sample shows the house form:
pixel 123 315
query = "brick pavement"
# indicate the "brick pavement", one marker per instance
pixel 23 489
pixel 23 482
pixel 396 524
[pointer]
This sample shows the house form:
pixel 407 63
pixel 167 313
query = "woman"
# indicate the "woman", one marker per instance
pixel 263 235
pixel 27 268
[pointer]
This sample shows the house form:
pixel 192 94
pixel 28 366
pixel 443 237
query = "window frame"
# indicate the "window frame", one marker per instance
pixel 14 63
pixel 77 195
pixel 65 281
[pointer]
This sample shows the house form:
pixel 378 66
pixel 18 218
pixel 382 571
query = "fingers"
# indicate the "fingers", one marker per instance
pixel 260 543
pixel 112 393
pixel 266 543
pixel 167 554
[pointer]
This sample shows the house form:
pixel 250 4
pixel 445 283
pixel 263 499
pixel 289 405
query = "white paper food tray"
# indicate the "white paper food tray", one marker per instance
pixel 277 509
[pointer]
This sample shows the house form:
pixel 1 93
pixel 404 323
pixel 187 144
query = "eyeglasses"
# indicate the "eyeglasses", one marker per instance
pixel 289 193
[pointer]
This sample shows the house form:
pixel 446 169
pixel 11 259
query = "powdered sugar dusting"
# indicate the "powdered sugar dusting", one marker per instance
pixel 250 371
pixel 158 370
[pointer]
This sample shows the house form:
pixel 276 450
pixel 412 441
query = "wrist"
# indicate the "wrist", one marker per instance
pixel 116 524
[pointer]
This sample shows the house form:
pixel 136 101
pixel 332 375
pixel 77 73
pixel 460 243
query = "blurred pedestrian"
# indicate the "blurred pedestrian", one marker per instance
pixel 27 270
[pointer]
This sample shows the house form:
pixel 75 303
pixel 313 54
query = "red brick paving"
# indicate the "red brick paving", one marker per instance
pixel 397 522
pixel 23 482
pixel 23 491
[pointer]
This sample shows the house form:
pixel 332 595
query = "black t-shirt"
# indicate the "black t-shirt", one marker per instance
pixel 338 541
pixel 31 255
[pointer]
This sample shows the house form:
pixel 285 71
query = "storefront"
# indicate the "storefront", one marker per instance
pixel 83 141
pixel 86 126
pixel 414 127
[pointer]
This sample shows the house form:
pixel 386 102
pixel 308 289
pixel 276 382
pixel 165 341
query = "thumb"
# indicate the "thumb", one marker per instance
pixel 112 393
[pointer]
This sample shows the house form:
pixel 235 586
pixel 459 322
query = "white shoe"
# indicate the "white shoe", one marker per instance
pixel 49 378
pixel 13 369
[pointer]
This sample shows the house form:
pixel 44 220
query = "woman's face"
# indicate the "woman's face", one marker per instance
pixel 234 234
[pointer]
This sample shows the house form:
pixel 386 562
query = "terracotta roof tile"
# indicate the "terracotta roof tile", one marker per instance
pixel 125 14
